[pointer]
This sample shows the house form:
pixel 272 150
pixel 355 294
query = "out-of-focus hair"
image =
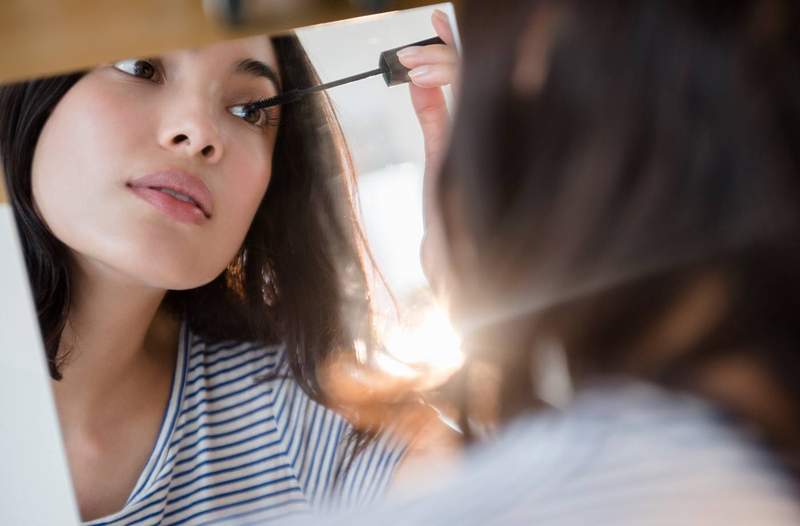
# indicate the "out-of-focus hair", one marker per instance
pixel 624 170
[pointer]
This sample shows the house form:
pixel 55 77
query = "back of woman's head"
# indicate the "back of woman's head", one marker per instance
pixel 623 180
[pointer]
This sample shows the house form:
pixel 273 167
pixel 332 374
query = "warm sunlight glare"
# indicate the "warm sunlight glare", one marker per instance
pixel 429 349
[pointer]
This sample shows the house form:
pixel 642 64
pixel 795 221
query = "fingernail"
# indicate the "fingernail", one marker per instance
pixel 419 73
pixel 408 52
pixel 440 14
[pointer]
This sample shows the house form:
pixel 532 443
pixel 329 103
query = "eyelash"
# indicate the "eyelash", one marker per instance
pixel 266 115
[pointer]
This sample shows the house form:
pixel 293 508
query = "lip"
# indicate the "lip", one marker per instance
pixel 149 188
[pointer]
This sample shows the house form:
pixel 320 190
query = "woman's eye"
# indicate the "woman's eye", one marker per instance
pixel 138 68
pixel 259 117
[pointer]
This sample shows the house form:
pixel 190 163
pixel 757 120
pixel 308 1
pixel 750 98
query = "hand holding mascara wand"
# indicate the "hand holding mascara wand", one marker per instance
pixel 374 395
pixel 388 65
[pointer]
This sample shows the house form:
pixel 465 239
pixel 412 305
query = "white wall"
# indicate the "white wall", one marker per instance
pixel 382 131
pixel 35 487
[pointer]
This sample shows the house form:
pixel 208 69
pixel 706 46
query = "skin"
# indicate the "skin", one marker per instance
pixel 112 127
pixel 125 254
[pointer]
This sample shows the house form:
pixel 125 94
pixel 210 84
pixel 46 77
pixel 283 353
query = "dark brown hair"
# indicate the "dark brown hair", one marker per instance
pixel 300 277
pixel 613 162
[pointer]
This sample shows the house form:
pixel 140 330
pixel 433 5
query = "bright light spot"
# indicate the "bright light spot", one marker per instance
pixel 389 364
pixel 429 350
pixel 361 351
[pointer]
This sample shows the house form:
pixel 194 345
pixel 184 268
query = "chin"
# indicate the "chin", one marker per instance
pixel 172 275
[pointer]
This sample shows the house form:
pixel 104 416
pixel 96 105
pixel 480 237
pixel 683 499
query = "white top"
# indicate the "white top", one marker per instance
pixel 625 455
pixel 235 446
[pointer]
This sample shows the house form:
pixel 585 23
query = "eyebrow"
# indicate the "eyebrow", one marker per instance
pixel 259 69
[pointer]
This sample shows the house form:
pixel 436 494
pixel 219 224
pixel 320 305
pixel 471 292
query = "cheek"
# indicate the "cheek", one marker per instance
pixel 80 156
pixel 248 173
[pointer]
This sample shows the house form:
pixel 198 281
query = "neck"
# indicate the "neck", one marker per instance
pixel 117 339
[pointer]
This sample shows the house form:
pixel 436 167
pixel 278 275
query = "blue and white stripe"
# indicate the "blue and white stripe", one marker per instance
pixel 236 448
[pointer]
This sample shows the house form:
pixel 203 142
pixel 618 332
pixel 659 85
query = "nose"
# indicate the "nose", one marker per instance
pixel 191 132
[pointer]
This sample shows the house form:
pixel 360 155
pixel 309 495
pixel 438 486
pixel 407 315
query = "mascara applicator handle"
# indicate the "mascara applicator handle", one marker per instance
pixel 393 71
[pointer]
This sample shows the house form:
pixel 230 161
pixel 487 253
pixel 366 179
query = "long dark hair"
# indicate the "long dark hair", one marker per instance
pixel 300 277
pixel 608 160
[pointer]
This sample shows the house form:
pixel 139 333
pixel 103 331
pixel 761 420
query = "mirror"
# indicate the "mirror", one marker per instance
pixel 166 140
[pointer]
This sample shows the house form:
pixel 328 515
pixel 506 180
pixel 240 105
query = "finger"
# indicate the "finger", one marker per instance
pixel 441 23
pixel 433 75
pixel 434 119
pixel 414 56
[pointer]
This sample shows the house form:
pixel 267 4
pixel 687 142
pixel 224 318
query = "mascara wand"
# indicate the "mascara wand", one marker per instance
pixel 388 65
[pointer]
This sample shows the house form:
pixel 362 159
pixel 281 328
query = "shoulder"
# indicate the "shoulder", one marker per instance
pixel 321 446
pixel 634 455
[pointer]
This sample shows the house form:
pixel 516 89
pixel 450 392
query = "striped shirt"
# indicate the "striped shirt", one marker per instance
pixel 235 447
pixel 621 455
